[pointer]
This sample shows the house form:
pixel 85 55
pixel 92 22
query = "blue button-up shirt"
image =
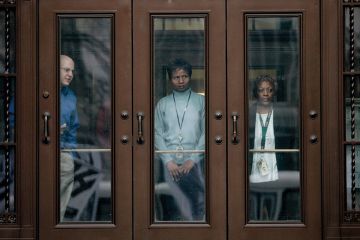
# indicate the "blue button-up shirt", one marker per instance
pixel 69 121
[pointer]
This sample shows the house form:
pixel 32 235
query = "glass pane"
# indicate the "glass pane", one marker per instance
pixel 352 131
pixel 11 42
pixel 85 74
pixel 7 116
pixel 347 40
pixel 273 68
pixel 7 185
pixel 179 120
pixel 353 197
pixel 7 109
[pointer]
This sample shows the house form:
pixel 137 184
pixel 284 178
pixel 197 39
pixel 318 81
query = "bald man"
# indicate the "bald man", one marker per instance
pixel 69 123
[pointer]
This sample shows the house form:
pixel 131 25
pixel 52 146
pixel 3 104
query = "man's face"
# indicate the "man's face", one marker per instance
pixel 265 93
pixel 66 71
pixel 180 80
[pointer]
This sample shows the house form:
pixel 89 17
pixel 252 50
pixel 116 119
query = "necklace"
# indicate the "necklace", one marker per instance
pixel 180 149
pixel 262 164
pixel 183 116
pixel 264 128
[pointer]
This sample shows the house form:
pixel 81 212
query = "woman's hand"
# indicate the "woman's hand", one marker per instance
pixel 174 170
pixel 187 166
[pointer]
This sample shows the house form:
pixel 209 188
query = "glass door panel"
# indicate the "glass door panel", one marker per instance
pixel 85 78
pixel 179 119
pixel 274 127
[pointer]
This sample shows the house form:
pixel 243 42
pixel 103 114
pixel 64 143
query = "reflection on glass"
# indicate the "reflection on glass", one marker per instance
pixel 7 120
pixel 179 119
pixel 7 115
pixel 347 94
pixel 349 193
pixel 85 76
pixel 7 159
pixel 12 42
pixel 10 157
pixel 347 40
pixel 273 67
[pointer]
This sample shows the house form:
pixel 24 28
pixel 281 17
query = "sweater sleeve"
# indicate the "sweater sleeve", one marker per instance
pixel 159 134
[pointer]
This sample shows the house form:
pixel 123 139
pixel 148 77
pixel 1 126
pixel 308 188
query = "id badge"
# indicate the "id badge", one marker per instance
pixel 263 167
pixel 179 152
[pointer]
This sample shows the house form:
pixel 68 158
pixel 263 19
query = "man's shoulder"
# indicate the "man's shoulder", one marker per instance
pixel 71 94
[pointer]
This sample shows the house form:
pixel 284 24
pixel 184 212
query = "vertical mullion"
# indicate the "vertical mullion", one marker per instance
pixel 7 102
pixel 352 66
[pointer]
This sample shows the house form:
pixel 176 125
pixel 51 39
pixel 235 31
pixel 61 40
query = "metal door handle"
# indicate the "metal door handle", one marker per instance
pixel 234 138
pixel 140 117
pixel 46 116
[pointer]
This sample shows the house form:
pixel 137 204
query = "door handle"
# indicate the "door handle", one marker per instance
pixel 46 138
pixel 140 139
pixel 234 138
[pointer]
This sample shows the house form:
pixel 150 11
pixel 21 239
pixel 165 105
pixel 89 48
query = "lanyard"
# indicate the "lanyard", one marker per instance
pixel 177 114
pixel 264 128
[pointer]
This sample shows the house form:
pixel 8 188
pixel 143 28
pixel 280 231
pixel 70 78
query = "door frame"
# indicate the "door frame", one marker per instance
pixel 311 153
pixel 121 183
pixel 215 226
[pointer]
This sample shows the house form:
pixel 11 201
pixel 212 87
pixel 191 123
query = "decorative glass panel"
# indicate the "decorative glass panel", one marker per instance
pixel 179 77
pixel 274 163
pixel 85 118
pixel 352 113
pixel 7 109
pixel 7 112
pixel 352 39
pixel 351 109
pixel 353 178
pixel 7 48
pixel 3 157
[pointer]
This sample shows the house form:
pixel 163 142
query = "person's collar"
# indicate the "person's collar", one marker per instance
pixel 65 90
pixel 264 110
pixel 182 93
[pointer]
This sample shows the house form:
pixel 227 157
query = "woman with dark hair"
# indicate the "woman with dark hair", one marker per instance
pixel 270 128
pixel 179 127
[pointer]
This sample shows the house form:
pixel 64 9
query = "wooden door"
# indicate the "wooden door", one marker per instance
pixel 274 176
pixel 167 33
pixel 85 172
